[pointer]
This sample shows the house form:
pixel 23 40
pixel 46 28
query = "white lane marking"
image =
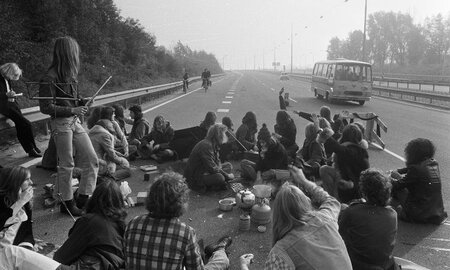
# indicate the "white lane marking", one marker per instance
pixel 173 99
pixel 226 102
pixel 435 248
pixel 293 100
pixel 32 162
pixel 389 152
pixel 230 93
pixel 437 239
pixel 272 89
pixel 228 96
pixel 223 110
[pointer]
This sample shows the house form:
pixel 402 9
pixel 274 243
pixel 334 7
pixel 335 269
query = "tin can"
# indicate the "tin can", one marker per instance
pixel 244 222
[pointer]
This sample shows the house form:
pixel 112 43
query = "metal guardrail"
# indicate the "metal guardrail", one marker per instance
pixel 126 97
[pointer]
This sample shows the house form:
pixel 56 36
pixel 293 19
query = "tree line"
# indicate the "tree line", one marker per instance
pixel 110 44
pixel 394 40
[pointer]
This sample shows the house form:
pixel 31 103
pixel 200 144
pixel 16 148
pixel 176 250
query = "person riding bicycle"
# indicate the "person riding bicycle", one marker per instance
pixel 186 80
pixel 205 77
pixel 208 77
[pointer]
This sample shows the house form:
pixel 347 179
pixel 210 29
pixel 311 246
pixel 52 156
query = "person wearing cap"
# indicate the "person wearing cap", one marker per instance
pixel 140 128
pixel 272 155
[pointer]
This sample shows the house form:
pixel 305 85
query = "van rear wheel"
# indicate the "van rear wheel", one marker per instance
pixel 361 102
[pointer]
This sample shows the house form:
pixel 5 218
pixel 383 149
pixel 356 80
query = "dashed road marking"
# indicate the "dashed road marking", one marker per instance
pixel 223 110
pixel 230 93
pixel 226 102
pixel 293 100
pixel 228 96
pixel 272 89
pixel 32 162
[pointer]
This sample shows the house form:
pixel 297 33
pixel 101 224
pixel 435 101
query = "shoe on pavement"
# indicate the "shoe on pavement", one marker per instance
pixel 33 153
pixel 70 206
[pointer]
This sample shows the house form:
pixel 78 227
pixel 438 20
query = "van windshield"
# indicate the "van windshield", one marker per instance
pixel 353 72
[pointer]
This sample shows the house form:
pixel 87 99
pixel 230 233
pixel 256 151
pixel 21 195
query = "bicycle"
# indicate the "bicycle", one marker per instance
pixel 205 84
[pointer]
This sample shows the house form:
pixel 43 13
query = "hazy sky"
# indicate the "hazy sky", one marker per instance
pixel 248 33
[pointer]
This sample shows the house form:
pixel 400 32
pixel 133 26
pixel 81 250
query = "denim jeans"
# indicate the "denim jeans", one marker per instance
pixel 73 148
pixel 218 261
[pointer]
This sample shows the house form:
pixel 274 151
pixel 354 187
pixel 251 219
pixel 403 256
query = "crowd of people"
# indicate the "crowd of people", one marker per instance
pixel 333 211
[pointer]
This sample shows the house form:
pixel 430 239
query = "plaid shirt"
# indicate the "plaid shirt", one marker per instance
pixel 161 244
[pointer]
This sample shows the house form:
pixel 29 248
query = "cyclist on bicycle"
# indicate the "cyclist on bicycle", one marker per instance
pixel 186 80
pixel 205 78
pixel 208 76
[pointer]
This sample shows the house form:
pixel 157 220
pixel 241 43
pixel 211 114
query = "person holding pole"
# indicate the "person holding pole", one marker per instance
pixel 59 98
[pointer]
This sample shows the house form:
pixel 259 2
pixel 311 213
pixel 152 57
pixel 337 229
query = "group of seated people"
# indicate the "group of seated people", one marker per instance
pixel 333 210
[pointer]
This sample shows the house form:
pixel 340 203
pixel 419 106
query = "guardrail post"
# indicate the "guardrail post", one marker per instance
pixel 433 86
pixel 420 86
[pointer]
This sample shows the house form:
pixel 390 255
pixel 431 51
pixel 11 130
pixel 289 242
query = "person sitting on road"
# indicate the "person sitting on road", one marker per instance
pixel 204 171
pixel 369 226
pixel 272 155
pixel 16 193
pixel 228 150
pixel 119 117
pixel 96 239
pixel 286 133
pixel 341 179
pixel 140 128
pixel 110 163
pixel 94 116
pixel 159 240
pixel 120 140
pixel 313 151
pixel 210 119
pixel 246 132
pixel 155 145
pixel 418 187
pixel 304 238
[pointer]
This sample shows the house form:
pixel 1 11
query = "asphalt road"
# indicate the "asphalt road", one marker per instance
pixel 235 94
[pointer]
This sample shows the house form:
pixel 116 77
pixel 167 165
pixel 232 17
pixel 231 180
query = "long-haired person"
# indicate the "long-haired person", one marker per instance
pixel 204 170
pixel 369 226
pixel 159 240
pixel 10 109
pixel 70 137
pixel 95 240
pixel 16 194
pixel 246 132
pixel 418 187
pixel 210 119
pixel 155 145
pixel 305 238
pixel 286 132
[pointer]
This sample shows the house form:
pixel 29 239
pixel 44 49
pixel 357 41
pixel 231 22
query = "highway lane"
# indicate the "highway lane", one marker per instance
pixel 239 92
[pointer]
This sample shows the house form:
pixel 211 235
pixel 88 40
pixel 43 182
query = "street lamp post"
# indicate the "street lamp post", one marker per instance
pixel 292 48
pixel 364 35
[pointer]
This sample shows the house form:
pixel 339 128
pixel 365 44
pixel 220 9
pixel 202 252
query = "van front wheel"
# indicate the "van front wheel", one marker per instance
pixel 361 102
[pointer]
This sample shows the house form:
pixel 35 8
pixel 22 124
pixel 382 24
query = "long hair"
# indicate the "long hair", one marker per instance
pixel 8 70
pixel 325 112
pixel 290 209
pixel 168 196
pixel 107 201
pixel 310 132
pixel 216 134
pixel 94 116
pixel 351 133
pixel 210 119
pixel 66 59
pixel 283 119
pixel 158 119
pixel 107 113
pixel 375 187
pixel 250 120
pixel 119 110
pixel 419 150
pixel 10 181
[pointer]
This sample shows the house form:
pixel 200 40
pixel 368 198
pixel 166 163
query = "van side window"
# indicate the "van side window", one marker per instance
pixel 330 70
pixel 315 69
pixel 324 70
pixel 339 73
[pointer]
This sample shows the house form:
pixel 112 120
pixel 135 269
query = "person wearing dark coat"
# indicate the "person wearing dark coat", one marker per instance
pixel 204 171
pixel 96 239
pixel 418 187
pixel 246 132
pixel 155 145
pixel 341 180
pixel 272 155
pixel 286 133
pixel 10 109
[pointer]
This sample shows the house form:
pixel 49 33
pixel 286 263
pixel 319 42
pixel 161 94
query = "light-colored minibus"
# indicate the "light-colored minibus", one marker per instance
pixel 342 79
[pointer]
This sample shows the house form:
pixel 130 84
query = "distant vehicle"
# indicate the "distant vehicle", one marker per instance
pixel 342 79
pixel 284 76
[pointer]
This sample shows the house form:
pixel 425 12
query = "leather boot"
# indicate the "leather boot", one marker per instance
pixel 74 210
pixel 82 200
